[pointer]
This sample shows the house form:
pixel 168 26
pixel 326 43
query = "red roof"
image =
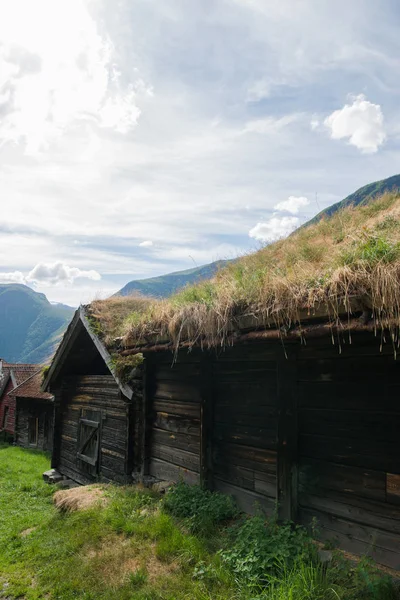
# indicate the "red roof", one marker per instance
pixel 19 372
pixel 31 388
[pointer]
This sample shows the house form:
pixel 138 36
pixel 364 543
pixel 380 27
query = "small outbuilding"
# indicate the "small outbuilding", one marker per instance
pixel 94 437
pixel 34 414
pixel 11 376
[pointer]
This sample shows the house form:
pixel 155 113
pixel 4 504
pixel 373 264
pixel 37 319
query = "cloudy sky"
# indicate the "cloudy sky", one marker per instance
pixel 138 137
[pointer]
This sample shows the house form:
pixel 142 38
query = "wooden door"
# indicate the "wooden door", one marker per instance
pixel 89 442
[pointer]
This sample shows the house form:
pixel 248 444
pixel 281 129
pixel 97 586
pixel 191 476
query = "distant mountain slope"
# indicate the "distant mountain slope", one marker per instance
pixel 165 285
pixel 361 196
pixel 30 326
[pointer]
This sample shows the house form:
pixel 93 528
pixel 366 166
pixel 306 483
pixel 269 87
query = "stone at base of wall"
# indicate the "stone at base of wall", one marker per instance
pixel 52 476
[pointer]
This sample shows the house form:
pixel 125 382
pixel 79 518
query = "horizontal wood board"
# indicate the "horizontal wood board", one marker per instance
pixel 244 427
pixel 349 424
pixel 173 444
pixel 84 396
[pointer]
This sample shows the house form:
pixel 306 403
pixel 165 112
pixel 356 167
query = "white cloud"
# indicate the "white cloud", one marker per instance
pixel 146 244
pixel 292 204
pixel 59 273
pixel 269 124
pixel 361 122
pixel 14 277
pixel 274 229
pixel 57 70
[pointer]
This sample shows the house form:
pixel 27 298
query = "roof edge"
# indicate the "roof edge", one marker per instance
pixel 80 320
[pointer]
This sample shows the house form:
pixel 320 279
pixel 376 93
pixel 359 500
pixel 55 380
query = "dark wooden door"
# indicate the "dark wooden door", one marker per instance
pixel 89 442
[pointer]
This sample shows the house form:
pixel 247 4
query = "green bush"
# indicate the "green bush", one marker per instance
pixel 261 550
pixel 202 510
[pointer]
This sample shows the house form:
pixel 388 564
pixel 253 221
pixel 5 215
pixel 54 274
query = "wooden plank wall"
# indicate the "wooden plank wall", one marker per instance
pixel 244 426
pixel 44 411
pixel 173 443
pixel 349 447
pixel 80 394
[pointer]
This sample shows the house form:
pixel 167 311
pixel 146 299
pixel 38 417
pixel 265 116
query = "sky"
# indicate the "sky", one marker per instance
pixel 140 137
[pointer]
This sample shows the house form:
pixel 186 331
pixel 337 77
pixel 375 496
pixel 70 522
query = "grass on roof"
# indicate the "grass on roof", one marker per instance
pixel 345 263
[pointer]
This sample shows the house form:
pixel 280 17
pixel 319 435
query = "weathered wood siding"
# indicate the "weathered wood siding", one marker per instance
pixel 27 409
pixel 95 398
pixel 173 413
pixel 8 402
pixel 244 426
pixel 349 450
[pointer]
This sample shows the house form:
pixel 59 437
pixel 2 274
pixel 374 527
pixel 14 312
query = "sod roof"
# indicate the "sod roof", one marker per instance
pixel 343 265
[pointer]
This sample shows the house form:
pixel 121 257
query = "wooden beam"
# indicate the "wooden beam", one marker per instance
pixel 287 437
pixel 206 419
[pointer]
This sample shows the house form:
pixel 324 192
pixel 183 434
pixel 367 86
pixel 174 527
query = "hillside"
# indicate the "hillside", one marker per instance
pixel 165 285
pixel 30 326
pixel 363 195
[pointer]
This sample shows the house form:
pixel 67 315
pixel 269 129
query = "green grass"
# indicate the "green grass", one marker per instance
pixel 135 548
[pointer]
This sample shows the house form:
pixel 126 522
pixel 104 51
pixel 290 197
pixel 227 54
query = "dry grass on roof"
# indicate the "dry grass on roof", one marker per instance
pixel 110 318
pixel 348 262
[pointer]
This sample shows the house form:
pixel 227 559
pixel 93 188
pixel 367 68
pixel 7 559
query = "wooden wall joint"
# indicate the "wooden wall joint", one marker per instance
pixel 206 419
pixel 287 437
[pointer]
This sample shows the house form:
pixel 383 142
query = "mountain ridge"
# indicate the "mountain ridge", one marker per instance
pixel 30 326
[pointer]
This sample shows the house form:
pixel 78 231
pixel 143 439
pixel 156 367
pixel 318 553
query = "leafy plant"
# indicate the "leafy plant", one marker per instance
pixel 203 510
pixel 260 550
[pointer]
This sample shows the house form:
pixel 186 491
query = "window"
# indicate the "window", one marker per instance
pixel 33 432
pixel 5 417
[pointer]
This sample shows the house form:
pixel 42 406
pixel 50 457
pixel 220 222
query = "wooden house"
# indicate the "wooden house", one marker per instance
pixel 284 397
pixel 11 376
pixel 93 427
pixel 34 414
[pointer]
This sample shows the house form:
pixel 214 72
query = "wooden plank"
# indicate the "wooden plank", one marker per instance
pixel 368 454
pixel 184 409
pixel 248 501
pixel 337 423
pixel 347 396
pixel 339 505
pixel 258 458
pixel 247 436
pixel 177 390
pixel 245 394
pixel 176 456
pixel 170 472
pixel 317 475
pixel 185 441
pixel 287 438
pixel 206 421
pixel 265 417
pixel 373 537
pixel 257 481
pixel 176 424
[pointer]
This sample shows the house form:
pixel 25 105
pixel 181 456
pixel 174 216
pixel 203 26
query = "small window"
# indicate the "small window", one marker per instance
pixel 33 432
pixel 5 417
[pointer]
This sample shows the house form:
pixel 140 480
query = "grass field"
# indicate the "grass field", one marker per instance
pixel 136 546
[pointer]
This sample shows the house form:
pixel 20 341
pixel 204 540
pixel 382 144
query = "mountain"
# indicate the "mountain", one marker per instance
pixel 361 196
pixel 165 285
pixel 30 326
